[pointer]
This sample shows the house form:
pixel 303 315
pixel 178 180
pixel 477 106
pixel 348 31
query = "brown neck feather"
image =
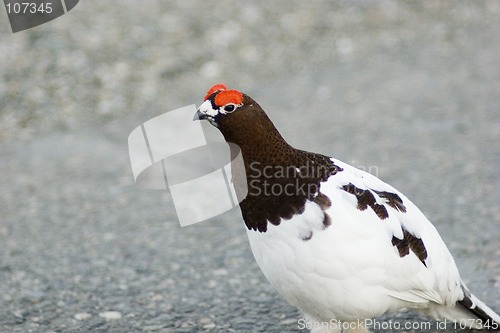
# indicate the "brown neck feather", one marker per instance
pixel 280 178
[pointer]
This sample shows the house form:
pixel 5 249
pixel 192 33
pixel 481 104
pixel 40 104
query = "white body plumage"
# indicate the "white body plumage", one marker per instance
pixel 350 270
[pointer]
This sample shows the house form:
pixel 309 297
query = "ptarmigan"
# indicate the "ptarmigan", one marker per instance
pixel 336 242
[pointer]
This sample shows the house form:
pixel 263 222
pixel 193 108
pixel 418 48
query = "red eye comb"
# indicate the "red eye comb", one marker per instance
pixel 228 97
pixel 215 87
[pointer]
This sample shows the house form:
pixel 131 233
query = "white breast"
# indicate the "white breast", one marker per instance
pixel 351 270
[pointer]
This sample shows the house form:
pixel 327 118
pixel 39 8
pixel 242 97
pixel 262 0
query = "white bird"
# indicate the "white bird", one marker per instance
pixel 336 242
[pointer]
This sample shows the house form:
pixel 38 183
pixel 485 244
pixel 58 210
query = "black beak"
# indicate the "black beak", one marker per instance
pixel 199 116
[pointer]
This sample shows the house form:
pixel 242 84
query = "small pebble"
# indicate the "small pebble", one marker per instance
pixel 207 323
pixel 82 316
pixel 289 321
pixel 209 326
pixel 110 315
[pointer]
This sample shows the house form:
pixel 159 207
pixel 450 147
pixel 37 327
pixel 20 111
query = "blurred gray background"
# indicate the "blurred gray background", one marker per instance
pixel 408 90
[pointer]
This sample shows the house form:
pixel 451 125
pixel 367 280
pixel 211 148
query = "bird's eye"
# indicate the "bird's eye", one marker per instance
pixel 229 108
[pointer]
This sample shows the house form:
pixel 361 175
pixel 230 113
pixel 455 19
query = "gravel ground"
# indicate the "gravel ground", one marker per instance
pixel 407 90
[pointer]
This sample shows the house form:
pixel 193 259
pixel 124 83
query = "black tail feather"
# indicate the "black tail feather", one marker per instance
pixel 490 320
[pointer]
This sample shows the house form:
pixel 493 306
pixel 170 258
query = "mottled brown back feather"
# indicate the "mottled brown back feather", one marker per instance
pixel 366 199
pixel 410 243
pixel 393 200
